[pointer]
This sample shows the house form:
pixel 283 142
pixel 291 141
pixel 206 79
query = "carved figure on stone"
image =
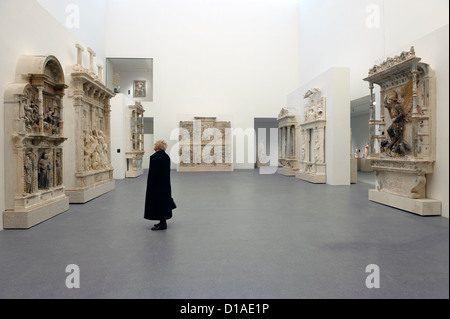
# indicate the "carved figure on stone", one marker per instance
pixel 366 150
pixel 44 172
pixel 103 149
pixel 96 149
pixel 29 173
pixel 396 146
pixel 58 169
pixel 31 113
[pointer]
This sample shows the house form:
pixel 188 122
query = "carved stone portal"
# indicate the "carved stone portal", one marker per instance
pixel 205 145
pixel 402 144
pixel 34 143
pixel 312 164
pixel 90 173
pixel 288 154
pixel 135 149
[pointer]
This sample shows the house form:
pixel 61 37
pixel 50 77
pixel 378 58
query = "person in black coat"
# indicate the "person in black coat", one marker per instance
pixel 158 199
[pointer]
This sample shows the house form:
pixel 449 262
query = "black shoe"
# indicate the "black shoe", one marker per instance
pixel 159 227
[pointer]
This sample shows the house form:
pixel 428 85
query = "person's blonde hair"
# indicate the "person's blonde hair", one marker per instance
pixel 161 144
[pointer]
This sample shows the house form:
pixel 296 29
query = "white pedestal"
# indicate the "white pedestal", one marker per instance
pixel 286 171
pixel 133 174
pixel 365 165
pixel 423 207
pixel 315 179
pixel 85 195
pixel 31 216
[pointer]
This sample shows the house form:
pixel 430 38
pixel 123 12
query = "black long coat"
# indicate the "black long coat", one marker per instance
pixel 158 199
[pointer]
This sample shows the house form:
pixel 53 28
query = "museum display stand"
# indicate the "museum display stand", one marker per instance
pixel 353 170
pixel 88 166
pixel 135 137
pixel 312 166
pixel 364 164
pixel 34 143
pixel 402 144
pixel 205 145
pixel 288 132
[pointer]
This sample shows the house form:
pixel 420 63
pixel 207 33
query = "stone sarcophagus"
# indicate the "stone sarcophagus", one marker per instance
pixel 34 142
pixel 88 168
pixel 288 153
pixel 205 145
pixel 402 133
pixel 312 164
pixel 135 149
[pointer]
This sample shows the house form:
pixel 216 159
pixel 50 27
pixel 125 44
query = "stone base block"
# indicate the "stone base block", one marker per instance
pixel 259 164
pixel 133 174
pixel 32 216
pixel 205 169
pixel 422 207
pixel 315 179
pixel 286 171
pixel 84 195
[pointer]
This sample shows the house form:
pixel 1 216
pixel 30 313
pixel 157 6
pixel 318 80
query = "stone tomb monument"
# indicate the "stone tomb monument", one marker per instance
pixel 402 140
pixel 34 142
pixel 205 145
pixel 288 154
pixel 135 146
pixel 88 169
pixel 312 166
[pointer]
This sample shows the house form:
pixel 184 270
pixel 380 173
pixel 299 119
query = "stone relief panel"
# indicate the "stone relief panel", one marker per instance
pixel 91 173
pixel 312 165
pixel 205 145
pixel 34 142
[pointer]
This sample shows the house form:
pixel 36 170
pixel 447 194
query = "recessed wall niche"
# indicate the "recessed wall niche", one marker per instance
pixel 132 77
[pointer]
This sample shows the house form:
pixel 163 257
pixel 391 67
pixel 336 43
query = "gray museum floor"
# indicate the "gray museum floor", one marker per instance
pixel 234 235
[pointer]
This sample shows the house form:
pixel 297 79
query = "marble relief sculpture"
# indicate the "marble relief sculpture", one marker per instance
pixel 135 149
pixel 288 134
pixel 34 139
pixel 312 166
pixel 89 172
pixel 402 144
pixel 205 145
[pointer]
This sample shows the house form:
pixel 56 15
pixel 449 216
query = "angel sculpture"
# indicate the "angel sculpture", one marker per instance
pixel 398 113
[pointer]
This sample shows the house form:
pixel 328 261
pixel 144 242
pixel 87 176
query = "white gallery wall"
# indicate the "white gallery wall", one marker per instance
pixel 85 19
pixel 359 33
pixel 210 57
pixel 334 85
